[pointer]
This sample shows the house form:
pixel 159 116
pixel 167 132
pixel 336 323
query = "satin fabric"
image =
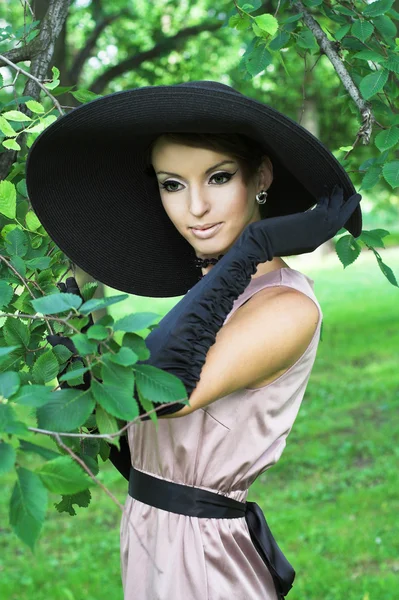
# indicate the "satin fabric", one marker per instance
pixel 195 502
pixel 222 448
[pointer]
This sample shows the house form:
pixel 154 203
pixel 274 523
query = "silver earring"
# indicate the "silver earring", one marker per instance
pixel 261 197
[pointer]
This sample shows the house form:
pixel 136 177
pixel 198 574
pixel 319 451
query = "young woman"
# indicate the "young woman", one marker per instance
pixel 203 193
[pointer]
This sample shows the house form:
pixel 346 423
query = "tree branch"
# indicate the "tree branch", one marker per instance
pixel 160 49
pixel 328 48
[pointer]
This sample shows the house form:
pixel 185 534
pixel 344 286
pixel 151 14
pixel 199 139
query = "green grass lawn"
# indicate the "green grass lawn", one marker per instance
pixel 331 501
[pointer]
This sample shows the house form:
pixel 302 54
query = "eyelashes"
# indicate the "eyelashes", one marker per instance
pixel 165 185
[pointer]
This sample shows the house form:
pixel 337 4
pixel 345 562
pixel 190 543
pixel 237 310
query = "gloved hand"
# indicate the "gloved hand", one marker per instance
pixel 303 232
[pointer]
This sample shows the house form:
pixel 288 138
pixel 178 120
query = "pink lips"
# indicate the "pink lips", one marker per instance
pixel 206 233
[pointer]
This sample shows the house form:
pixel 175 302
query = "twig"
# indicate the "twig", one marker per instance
pixel 347 81
pixel 104 488
pixel 103 435
pixel 39 83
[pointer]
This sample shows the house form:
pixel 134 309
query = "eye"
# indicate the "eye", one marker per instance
pixel 165 185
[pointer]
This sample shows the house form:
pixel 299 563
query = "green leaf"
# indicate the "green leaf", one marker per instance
pixel 347 249
pixel 64 476
pixel 56 303
pixel 97 332
pixel 7 457
pixel 18 264
pixel 342 31
pixel 390 172
pixel 69 409
pixel 292 18
pixel 137 344
pixel 8 199
pixel 34 106
pixel 74 373
pixel 116 400
pixel 136 322
pixel 344 10
pixel 373 83
pixel 371 178
pixel 32 222
pixel 28 505
pixel 6 351
pixel 39 450
pixel 387 138
pixel 17 242
pixel 258 60
pixel 370 55
pixel 307 40
pixel 159 386
pixel 9 384
pixel 6 294
pixel 41 262
pixel 45 368
pixel 279 41
pixel 16 333
pixel 385 26
pixel 7 416
pixel 267 23
pixel 371 238
pixel 392 63
pixel 362 30
pixel 85 95
pixel 83 344
pixel 125 357
pixel 377 8
pixel 16 115
pixel 98 303
pixel 11 144
pixel 6 128
pixel 239 22
pixel 107 424
pixel 80 499
pixel 249 6
pixel 387 271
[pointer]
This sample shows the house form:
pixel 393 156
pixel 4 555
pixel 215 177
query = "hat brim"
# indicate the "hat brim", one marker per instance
pixel 88 183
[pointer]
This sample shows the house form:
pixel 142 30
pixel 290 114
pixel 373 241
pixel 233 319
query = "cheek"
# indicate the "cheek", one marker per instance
pixel 173 210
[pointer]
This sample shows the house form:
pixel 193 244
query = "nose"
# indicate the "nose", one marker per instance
pixel 198 202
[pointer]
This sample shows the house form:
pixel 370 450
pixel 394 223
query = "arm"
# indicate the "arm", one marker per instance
pixel 266 336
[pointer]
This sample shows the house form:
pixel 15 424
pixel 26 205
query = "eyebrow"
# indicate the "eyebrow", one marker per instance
pixel 224 162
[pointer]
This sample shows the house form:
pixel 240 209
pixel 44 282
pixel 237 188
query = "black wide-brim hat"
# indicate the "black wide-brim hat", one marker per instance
pixel 88 179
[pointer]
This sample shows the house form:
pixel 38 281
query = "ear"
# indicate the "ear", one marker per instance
pixel 265 173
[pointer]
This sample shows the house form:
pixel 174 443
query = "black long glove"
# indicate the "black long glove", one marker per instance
pixel 181 340
pixel 120 459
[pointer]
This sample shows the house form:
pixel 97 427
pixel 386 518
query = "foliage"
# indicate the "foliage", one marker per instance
pixel 48 384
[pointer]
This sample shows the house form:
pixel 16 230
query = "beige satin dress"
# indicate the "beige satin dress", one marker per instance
pixel 222 448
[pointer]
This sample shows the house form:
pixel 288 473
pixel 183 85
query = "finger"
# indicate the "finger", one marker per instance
pixel 349 207
pixel 337 197
pixel 72 286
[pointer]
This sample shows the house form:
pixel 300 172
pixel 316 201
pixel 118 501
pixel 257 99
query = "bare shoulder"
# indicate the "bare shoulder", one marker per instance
pixel 269 298
pixel 284 314
pixel 263 338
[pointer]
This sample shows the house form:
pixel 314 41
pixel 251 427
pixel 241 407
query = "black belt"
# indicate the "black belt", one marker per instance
pixel 195 502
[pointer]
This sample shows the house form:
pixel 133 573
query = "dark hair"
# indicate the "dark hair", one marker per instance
pixel 246 151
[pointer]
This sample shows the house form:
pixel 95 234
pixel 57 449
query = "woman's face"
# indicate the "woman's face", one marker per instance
pixel 196 192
